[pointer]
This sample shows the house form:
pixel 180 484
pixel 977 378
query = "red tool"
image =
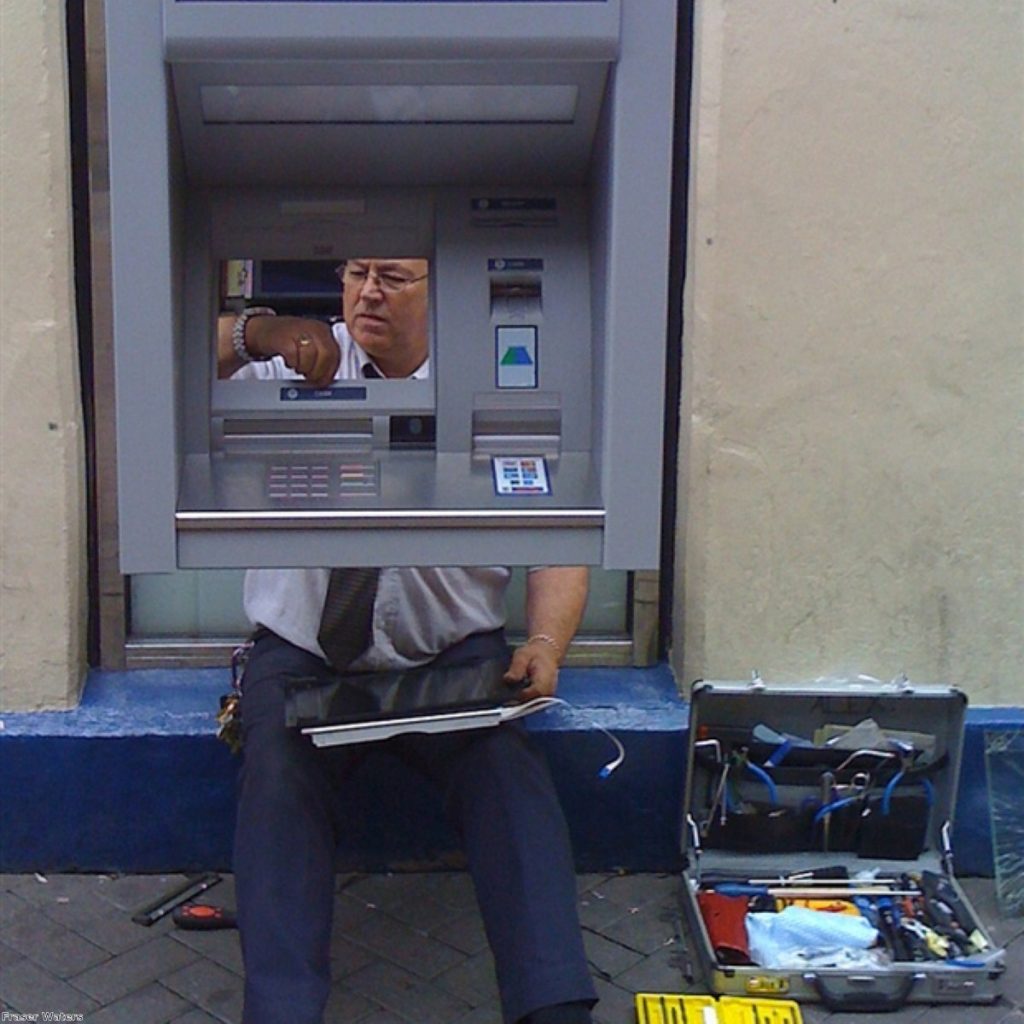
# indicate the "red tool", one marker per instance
pixel 202 917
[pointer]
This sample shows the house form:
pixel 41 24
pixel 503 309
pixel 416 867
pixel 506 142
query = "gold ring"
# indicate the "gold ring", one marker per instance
pixel 305 339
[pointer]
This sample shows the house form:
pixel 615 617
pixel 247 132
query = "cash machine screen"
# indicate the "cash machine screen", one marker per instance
pixel 381 302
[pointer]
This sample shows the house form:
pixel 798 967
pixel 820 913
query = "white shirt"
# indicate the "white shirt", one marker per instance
pixel 417 613
pixel 353 359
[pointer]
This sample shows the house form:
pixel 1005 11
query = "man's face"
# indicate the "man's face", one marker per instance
pixel 384 303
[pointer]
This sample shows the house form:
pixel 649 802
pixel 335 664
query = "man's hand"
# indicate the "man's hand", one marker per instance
pixel 536 662
pixel 555 599
pixel 307 346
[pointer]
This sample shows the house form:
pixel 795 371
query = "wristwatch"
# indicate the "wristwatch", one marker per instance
pixel 238 333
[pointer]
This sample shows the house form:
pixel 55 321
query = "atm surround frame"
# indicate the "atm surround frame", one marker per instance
pixel 116 646
pixel 142 651
pixel 629 189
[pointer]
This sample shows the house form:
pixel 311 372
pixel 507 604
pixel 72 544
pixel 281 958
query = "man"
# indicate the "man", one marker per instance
pixel 497 791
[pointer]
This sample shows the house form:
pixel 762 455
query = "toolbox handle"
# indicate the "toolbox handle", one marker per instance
pixel 872 1001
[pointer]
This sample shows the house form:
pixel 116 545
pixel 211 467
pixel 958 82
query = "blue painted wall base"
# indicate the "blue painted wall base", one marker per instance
pixel 134 780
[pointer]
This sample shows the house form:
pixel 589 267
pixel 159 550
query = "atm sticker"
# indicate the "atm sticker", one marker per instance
pixel 350 393
pixel 513 204
pixel 499 264
pixel 516 355
pixel 520 474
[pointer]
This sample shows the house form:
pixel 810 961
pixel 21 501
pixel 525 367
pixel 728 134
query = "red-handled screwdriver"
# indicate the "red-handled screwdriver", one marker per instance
pixel 202 917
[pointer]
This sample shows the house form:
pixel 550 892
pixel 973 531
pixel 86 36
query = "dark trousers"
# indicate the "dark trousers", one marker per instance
pixel 498 795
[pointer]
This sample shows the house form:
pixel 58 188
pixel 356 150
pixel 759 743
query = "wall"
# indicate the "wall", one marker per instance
pixel 851 457
pixel 854 345
pixel 42 542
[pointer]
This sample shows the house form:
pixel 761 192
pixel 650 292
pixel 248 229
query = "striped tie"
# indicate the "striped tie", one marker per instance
pixel 346 623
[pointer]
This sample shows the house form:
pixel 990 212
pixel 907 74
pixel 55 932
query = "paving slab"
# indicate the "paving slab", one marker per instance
pixel 26 987
pixel 119 976
pixel 152 1004
pixel 406 949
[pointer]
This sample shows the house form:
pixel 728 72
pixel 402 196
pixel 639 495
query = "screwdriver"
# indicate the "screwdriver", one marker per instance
pixel 202 917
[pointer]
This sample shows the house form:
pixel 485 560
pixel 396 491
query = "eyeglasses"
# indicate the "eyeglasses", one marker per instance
pixel 387 280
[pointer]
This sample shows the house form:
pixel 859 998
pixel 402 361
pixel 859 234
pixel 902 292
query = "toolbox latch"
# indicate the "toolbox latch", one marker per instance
pixel 903 684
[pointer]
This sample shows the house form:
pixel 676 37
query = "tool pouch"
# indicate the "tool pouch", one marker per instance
pixel 843 828
pixel 896 832
pixel 761 828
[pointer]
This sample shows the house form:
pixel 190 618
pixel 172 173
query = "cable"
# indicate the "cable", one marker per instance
pixel 542 703
pixel 773 792
pixel 929 790
pixel 835 805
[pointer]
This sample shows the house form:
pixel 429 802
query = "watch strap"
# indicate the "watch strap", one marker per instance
pixel 238 333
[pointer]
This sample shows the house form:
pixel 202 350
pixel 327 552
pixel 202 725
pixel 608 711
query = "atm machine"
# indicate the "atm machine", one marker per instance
pixel 523 148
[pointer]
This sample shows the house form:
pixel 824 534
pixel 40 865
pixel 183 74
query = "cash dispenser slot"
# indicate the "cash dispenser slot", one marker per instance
pixel 528 427
pixel 239 435
pixel 515 297
pixel 276 433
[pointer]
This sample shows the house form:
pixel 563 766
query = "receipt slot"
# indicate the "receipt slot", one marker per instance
pixel 520 152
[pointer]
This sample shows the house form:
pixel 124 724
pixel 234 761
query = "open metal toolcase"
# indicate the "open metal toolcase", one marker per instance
pixel 794 795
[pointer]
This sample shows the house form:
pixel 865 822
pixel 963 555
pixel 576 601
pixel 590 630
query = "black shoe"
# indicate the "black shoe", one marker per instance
pixel 562 1013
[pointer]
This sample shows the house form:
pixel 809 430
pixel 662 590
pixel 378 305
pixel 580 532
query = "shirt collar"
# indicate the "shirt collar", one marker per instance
pixel 420 373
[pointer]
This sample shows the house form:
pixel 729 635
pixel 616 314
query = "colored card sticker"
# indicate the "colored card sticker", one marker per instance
pixel 521 474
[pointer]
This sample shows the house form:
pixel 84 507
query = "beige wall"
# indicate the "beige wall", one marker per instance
pixel 851 451
pixel 854 346
pixel 42 574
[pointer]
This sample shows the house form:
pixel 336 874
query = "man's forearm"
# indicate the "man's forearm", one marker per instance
pixel 555 599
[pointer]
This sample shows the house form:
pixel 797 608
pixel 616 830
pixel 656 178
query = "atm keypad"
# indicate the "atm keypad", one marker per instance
pixel 320 481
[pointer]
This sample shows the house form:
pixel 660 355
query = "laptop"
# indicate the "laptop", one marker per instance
pixel 367 706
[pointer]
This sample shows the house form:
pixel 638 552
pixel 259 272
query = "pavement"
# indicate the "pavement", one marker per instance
pixel 407 949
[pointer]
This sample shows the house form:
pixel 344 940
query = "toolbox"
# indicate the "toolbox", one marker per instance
pixel 818 864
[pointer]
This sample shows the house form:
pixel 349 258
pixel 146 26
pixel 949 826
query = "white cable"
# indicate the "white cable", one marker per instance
pixel 541 703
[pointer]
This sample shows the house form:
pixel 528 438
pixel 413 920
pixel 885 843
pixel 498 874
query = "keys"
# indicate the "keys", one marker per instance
pixel 229 720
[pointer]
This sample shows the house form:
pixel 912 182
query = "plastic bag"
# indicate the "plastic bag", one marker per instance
pixel 773 937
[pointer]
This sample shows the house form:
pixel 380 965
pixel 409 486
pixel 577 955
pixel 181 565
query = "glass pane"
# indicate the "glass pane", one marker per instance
pixel 606 606
pixel 207 603
pixel 198 603
pixel 1004 764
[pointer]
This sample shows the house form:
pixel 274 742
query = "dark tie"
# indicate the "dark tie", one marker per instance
pixel 346 623
pixel 370 372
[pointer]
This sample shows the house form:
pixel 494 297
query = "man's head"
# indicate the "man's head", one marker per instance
pixel 384 303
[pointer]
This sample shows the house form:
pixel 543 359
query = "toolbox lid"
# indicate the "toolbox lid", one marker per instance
pixel 785 776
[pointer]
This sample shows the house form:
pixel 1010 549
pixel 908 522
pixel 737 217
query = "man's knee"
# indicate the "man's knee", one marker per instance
pixel 503 748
